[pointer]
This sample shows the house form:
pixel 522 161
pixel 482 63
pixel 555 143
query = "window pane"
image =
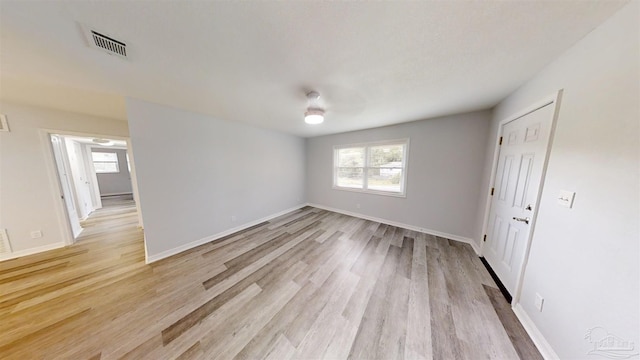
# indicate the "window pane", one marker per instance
pixel 349 177
pixel 384 179
pixel 383 165
pixel 104 156
pixel 106 167
pixel 351 157
pixel 386 156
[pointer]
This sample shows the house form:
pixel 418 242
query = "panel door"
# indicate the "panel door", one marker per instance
pixel 517 183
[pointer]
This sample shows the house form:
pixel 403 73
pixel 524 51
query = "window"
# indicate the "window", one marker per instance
pixel 105 162
pixel 379 168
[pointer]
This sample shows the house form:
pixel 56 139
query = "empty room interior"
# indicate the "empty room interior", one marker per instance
pixel 320 180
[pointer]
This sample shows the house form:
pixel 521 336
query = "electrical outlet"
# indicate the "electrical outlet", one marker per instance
pixel 233 218
pixel 539 302
pixel 36 234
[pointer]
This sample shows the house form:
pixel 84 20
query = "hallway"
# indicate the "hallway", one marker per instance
pixel 117 212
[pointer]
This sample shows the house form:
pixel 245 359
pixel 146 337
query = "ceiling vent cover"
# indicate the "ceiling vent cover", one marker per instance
pixel 112 46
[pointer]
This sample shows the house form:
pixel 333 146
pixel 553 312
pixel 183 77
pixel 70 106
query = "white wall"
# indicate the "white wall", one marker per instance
pixel 115 183
pixel 27 197
pixel 584 260
pixel 446 158
pixel 195 172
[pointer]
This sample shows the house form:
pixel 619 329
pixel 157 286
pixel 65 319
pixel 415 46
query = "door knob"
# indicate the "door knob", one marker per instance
pixel 528 207
pixel 525 220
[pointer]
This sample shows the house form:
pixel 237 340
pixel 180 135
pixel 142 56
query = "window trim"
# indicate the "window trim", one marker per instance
pixel 365 168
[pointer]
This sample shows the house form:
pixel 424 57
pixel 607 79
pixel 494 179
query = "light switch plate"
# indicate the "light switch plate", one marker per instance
pixel 565 198
pixel 35 234
pixel 539 302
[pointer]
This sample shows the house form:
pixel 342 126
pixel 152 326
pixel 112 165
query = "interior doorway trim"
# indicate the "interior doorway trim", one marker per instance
pixel 61 212
pixel 551 100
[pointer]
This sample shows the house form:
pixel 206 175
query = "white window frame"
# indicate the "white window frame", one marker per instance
pixel 366 167
pixel 117 162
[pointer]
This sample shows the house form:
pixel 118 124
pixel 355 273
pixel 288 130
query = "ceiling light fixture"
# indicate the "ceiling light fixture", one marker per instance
pixel 103 142
pixel 314 115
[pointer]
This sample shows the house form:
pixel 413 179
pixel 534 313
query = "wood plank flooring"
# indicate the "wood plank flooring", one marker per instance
pixel 310 284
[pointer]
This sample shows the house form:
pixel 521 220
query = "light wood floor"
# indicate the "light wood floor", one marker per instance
pixel 310 284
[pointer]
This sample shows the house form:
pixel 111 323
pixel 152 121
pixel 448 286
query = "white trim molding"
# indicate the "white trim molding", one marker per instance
pixel 536 336
pixel 167 253
pixel 117 194
pixel 31 251
pixel 405 226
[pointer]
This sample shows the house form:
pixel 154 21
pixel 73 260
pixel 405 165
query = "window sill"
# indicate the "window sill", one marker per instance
pixel 372 192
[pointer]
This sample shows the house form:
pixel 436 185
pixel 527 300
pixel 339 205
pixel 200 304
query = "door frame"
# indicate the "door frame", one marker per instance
pixel 62 212
pixel 82 173
pixel 553 100
pixel 59 208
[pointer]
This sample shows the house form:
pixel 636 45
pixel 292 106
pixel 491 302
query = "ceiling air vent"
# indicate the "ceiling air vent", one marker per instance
pixel 112 46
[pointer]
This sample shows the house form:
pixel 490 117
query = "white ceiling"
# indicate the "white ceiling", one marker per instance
pixel 374 63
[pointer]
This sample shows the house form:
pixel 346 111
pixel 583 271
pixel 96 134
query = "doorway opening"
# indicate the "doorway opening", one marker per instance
pixel 96 179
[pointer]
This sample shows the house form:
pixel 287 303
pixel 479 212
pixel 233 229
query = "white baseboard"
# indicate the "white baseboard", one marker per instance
pixel 35 250
pixel 165 254
pixel 536 336
pixel 115 194
pixel 406 226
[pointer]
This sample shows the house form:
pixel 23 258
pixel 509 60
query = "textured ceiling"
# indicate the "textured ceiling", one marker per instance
pixel 374 63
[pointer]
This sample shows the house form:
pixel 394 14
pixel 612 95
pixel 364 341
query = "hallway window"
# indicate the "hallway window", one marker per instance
pixel 105 162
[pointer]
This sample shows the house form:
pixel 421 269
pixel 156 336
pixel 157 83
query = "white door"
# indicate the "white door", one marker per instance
pixel 83 191
pixel 92 177
pixel 65 184
pixel 517 183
